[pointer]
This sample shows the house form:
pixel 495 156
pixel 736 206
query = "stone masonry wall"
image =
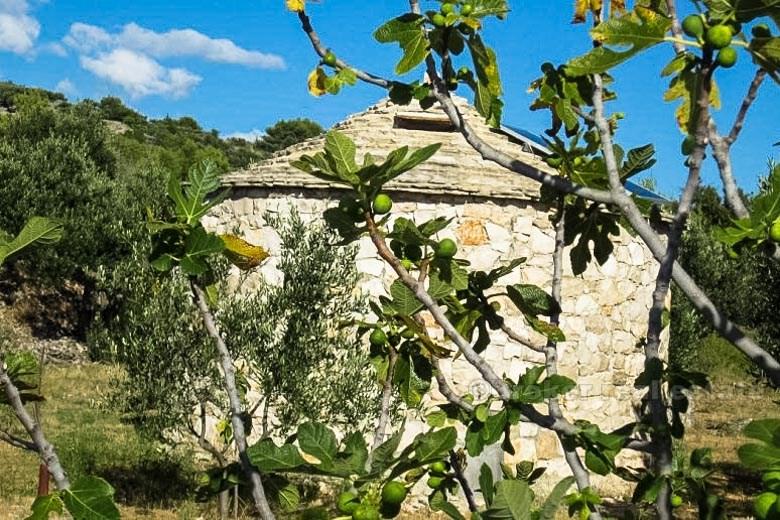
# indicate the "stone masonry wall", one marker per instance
pixel 604 310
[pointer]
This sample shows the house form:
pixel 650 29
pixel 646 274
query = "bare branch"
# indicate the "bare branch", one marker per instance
pixel 17 442
pixel 721 148
pixel 464 483
pixel 44 448
pixel 578 470
pixel 750 98
pixel 446 390
pixel 239 433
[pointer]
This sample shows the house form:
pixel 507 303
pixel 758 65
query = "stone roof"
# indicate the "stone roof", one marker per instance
pixel 456 169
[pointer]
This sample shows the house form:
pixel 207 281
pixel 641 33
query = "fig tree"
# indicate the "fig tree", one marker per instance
pixel 719 36
pixel 693 26
pixel 727 57
pixel 435 482
pixel 466 10
pixel 438 20
pixel 447 8
pixel 413 252
pixel 688 144
pixel 447 248
pixel 382 204
pixel 438 468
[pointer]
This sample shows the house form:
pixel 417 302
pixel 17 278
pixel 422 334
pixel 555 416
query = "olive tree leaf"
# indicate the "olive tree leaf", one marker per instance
pixel 637 30
pixel 37 230
pixel 90 498
pixel 407 30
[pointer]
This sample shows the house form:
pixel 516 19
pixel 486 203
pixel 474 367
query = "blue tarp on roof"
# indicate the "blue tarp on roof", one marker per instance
pixel 539 146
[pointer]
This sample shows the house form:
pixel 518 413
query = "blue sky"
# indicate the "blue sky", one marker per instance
pixel 239 66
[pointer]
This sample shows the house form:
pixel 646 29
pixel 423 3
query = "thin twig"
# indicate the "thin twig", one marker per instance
pixel 17 442
pixel 321 50
pixel 457 468
pixel 446 390
pixel 578 470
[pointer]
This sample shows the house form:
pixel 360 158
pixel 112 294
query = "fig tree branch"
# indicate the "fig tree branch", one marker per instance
pixel 321 51
pixel 578 470
pixel 457 468
pixel 693 292
pixel 446 390
pixel 387 394
pixel 229 372
pixel 44 448
pixel 17 442
pixel 721 148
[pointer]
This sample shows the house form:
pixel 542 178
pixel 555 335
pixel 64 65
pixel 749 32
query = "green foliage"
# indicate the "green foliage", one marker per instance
pixel 746 288
pixel 752 232
pixel 299 331
pixel 60 163
pixel 286 133
pixel 765 455
pixel 23 371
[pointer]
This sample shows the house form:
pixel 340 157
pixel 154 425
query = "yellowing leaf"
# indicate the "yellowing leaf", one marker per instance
pixel 618 7
pixel 580 10
pixel 241 253
pixel 317 82
pixel 296 6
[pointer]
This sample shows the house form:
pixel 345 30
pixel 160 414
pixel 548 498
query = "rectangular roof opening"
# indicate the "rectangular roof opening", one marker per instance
pixel 423 123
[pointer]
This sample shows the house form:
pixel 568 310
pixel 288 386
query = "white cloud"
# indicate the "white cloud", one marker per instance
pixel 251 136
pixel 174 43
pixel 87 38
pixel 18 30
pixel 139 74
pixel 66 87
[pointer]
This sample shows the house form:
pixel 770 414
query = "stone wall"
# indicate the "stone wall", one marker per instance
pixel 604 310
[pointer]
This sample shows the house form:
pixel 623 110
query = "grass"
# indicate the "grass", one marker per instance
pixel 93 441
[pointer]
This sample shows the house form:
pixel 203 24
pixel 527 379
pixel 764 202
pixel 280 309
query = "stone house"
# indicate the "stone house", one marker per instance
pixel 498 216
